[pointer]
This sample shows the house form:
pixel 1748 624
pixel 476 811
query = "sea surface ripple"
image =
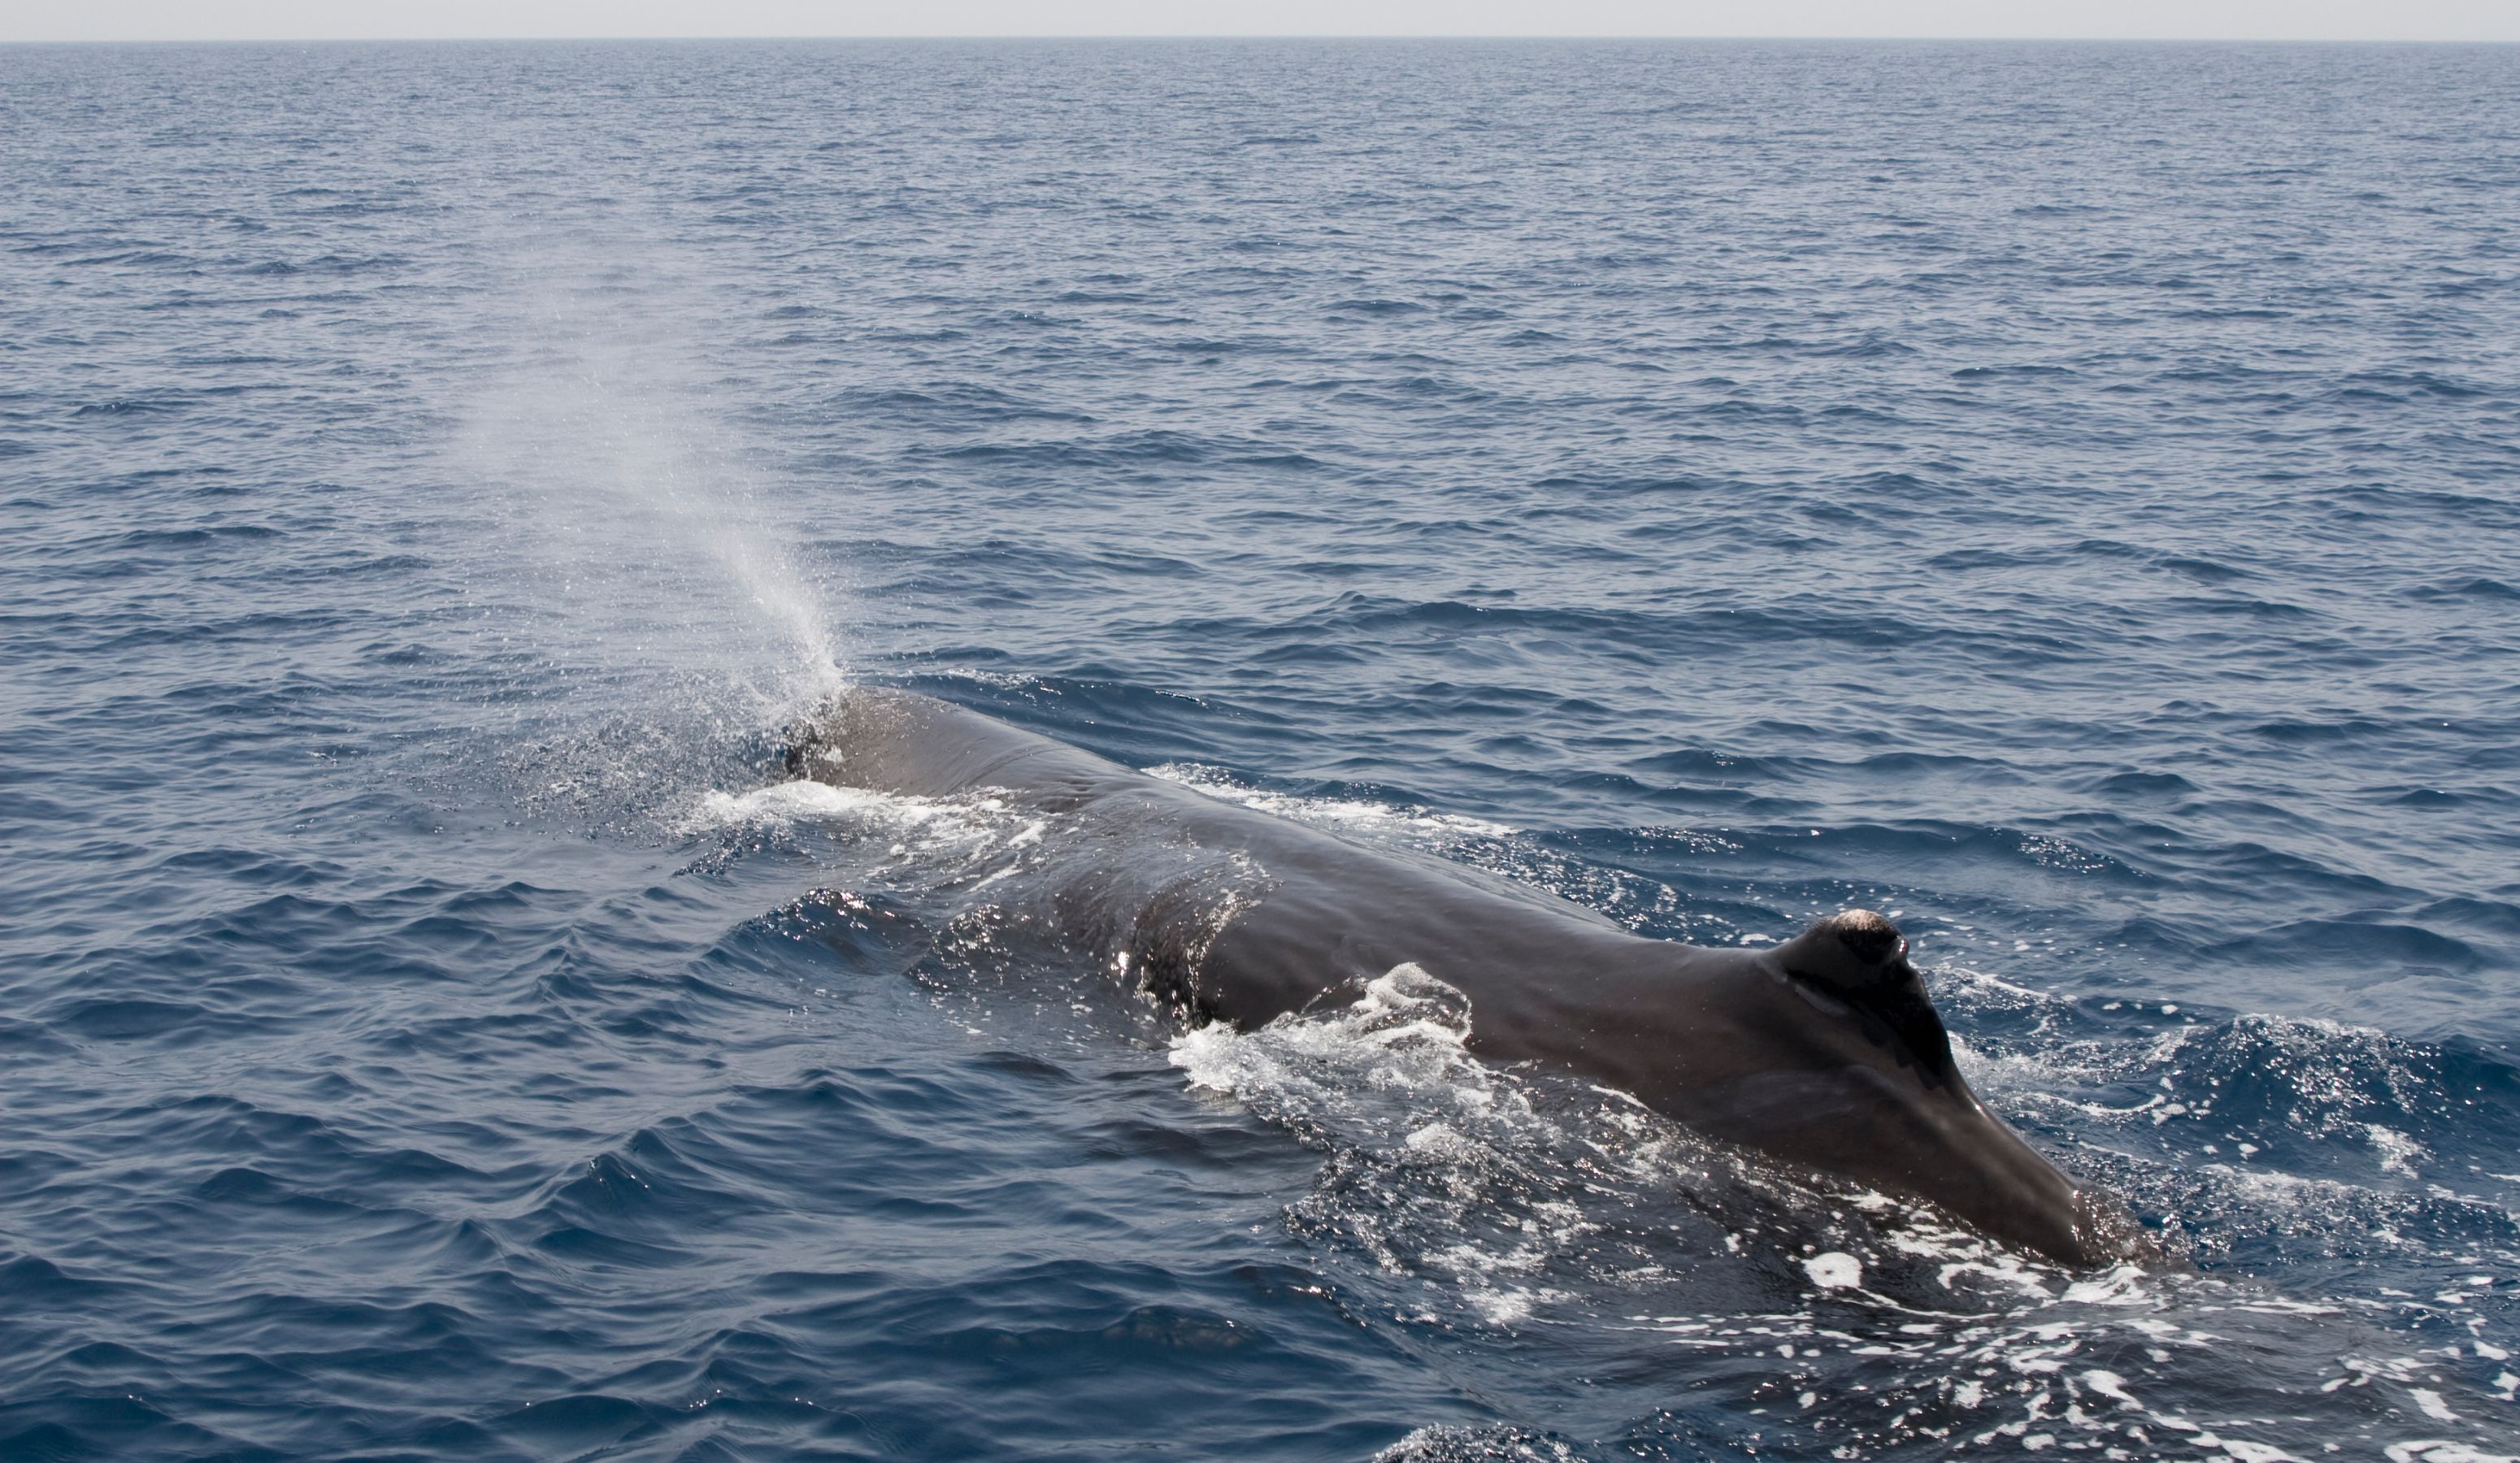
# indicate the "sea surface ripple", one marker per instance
pixel 2063 494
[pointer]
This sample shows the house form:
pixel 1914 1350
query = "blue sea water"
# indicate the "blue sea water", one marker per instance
pixel 2062 494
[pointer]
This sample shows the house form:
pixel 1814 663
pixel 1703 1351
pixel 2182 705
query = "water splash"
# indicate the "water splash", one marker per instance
pixel 660 617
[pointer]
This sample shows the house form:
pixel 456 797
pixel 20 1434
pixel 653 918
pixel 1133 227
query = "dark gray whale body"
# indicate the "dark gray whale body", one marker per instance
pixel 1822 1052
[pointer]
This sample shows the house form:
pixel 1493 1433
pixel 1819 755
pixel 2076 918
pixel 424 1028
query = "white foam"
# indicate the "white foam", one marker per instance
pixel 1436 1140
pixel 2440 1450
pixel 2398 1152
pixel 785 802
pixel 1441 1440
pixel 805 801
pixel 1336 811
pixel 1408 1028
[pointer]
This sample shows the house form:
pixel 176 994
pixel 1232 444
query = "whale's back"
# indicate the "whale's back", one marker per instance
pixel 1825 1050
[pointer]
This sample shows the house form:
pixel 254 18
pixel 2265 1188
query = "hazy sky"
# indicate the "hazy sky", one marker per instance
pixel 2307 19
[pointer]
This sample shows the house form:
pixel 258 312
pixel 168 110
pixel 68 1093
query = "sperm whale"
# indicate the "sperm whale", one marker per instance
pixel 1824 1052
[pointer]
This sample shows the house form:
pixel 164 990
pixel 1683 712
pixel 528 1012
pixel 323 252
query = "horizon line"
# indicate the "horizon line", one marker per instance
pixel 1151 35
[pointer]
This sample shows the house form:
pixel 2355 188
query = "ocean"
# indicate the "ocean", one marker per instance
pixel 2062 496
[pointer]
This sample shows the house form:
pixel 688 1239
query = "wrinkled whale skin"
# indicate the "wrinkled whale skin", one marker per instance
pixel 1822 1052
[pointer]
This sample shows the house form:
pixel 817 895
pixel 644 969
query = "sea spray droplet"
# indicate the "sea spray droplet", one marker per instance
pixel 1834 1271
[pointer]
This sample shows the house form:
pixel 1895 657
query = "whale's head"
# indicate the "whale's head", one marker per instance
pixel 1857 1079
